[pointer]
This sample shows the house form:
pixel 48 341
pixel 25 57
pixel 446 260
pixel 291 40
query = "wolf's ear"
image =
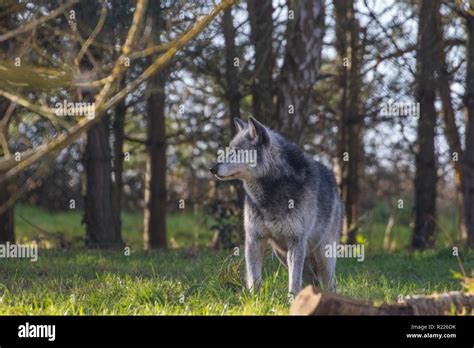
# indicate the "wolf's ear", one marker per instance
pixel 239 124
pixel 258 131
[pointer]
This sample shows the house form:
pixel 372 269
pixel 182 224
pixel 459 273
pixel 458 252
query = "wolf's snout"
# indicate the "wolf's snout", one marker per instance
pixel 213 168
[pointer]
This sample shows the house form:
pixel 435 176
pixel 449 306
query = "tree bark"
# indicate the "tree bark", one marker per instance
pixel 310 301
pixel 223 237
pixel 468 177
pixel 301 66
pixel 350 123
pixel 7 219
pixel 7 189
pixel 450 129
pixel 231 71
pixel 118 157
pixel 425 178
pixel 155 176
pixel 102 229
pixel 261 29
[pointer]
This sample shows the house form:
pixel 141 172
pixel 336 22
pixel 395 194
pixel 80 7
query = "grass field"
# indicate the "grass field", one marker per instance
pixel 64 229
pixel 190 278
pixel 52 229
pixel 198 282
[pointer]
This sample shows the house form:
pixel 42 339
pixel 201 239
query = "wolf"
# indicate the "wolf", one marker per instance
pixel 291 201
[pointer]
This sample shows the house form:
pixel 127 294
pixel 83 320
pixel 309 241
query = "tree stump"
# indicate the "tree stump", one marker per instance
pixel 312 301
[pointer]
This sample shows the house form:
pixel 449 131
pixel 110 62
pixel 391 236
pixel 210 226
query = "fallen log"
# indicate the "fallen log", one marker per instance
pixel 312 301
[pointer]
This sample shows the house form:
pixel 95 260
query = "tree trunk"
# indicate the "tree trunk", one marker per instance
pixel 450 129
pixel 117 168
pixel 7 188
pixel 223 238
pixel 304 35
pixel 261 29
pixel 468 177
pixel 231 71
pixel 350 123
pixel 102 226
pixel 102 229
pixel 310 301
pixel 425 178
pixel 7 219
pixel 155 176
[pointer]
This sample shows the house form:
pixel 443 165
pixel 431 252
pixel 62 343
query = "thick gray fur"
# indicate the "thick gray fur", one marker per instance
pixel 292 202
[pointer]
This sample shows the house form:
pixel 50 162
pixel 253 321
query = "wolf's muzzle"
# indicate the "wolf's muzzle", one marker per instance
pixel 213 168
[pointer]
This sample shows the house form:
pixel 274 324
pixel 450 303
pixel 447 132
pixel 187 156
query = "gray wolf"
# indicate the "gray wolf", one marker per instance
pixel 291 202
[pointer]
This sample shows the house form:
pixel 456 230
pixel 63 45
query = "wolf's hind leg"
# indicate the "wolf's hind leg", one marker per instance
pixel 310 277
pixel 325 269
pixel 295 257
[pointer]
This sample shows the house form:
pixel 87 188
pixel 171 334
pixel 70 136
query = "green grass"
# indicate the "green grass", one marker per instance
pixel 375 221
pixel 185 229
pixel 64 229
pixel 190 278
pixel 196 281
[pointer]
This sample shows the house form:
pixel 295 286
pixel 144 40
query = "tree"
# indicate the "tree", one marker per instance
pixel 350 147
pixel 7 188
pixel 155 175
pixel 231 70
pixel 102 230
pixel 261 29
pixel 223 237
pixel 302 59
pixel 118 130
pixel 300 70
pixel 461 168
pixel 119 13
pixel 468 182
pixel 102 223
pixel 426 176
pixel 105 99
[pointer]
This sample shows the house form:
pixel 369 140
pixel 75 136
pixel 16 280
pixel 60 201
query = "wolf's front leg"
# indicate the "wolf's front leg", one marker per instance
pixel 254 249
pixel 295 258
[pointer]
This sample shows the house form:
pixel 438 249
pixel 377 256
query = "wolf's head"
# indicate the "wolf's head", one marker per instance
pixel 243 158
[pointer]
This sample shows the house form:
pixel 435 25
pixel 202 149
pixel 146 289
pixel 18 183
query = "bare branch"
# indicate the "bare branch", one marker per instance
pixel 11 168
pixel 39 21
pixel 97 29
pixel 40 110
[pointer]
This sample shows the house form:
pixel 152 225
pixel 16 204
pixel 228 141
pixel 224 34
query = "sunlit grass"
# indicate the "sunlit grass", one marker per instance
pixel 191 278
pixel 184 229
pixel 193 229
pixel 208 282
